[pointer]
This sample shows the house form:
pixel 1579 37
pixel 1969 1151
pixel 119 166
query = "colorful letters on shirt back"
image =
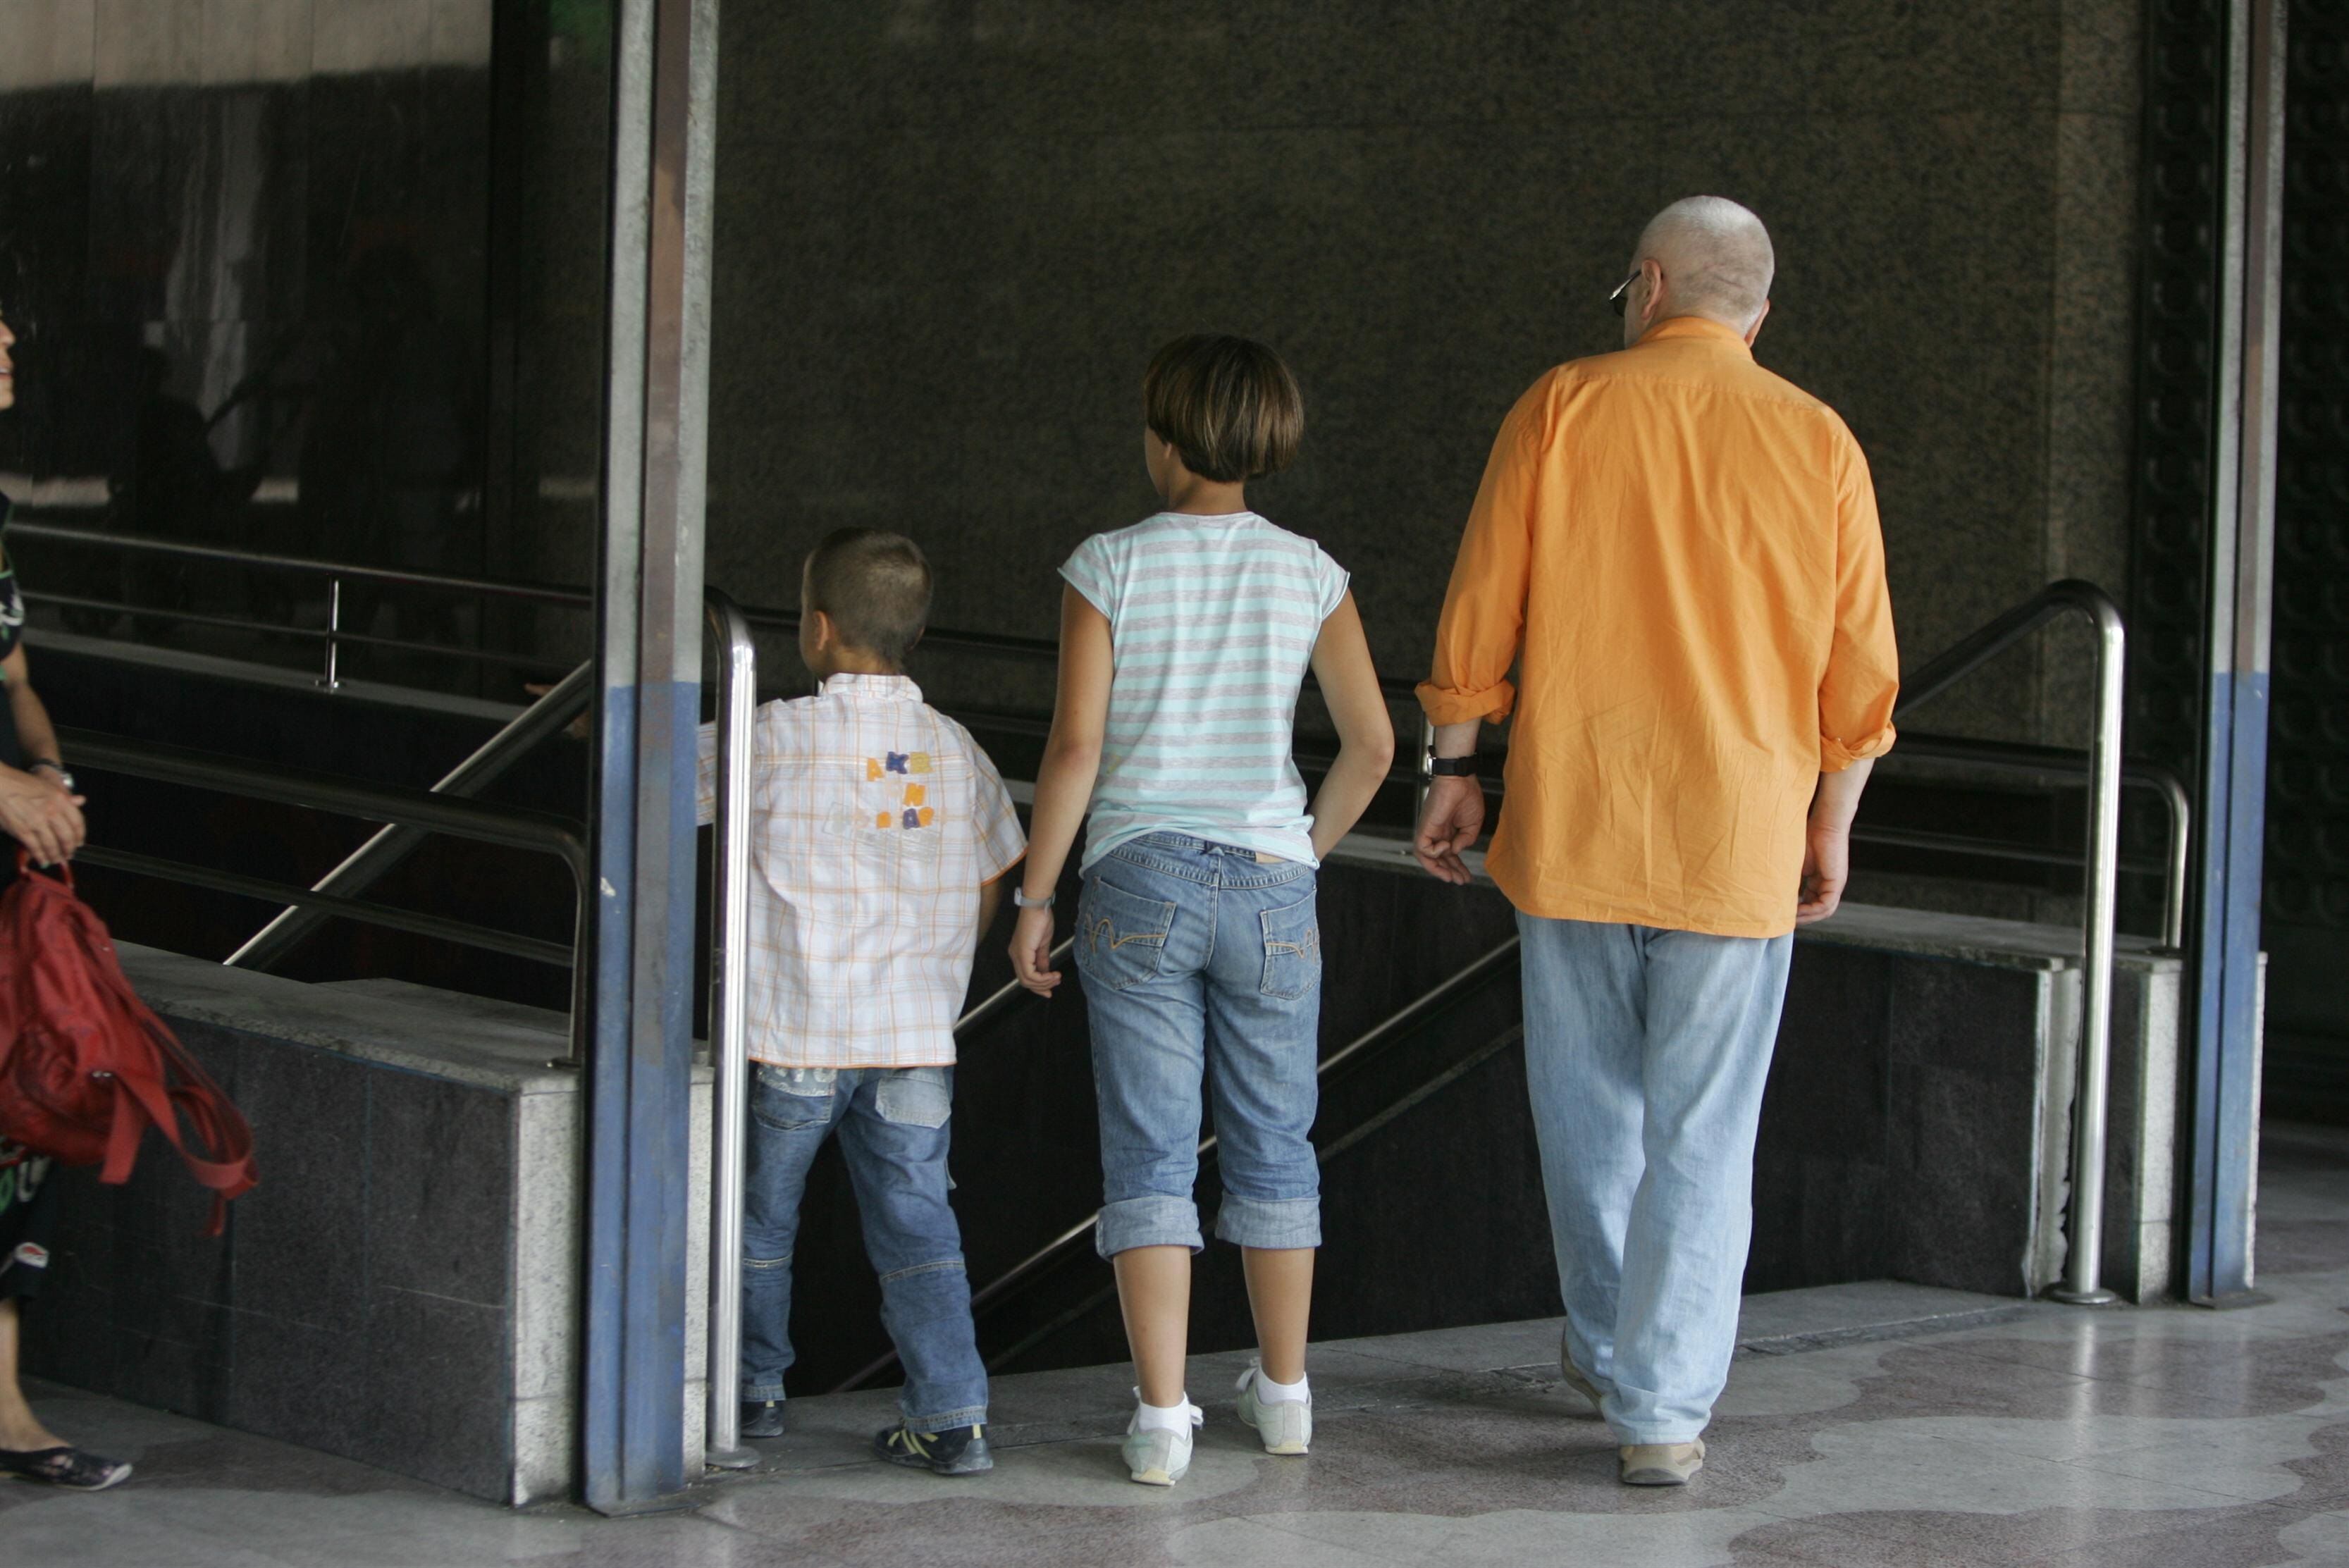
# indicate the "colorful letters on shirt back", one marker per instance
pixel 910 813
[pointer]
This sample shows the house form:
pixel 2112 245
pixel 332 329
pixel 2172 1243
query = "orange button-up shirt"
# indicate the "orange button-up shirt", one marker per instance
pixel 1680 551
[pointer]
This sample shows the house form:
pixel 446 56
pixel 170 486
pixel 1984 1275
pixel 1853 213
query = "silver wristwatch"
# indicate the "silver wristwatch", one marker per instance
pixel 1020 898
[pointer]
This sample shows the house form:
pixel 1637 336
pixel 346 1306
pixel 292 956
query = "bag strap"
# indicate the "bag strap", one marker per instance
pixel 62 871
pixel 144 1096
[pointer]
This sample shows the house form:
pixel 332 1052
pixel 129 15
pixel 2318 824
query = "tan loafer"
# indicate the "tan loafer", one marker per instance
pixel 1572 1376
pixel 1661 1464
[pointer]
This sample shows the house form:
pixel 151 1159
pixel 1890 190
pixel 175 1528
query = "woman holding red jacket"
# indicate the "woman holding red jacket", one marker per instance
pixel 39 811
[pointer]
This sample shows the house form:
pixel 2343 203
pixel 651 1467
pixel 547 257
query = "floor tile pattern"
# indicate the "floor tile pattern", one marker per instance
pixel 2043 1436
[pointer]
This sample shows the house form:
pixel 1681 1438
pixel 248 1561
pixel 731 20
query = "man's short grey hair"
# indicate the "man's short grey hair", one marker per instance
pixel 1716 258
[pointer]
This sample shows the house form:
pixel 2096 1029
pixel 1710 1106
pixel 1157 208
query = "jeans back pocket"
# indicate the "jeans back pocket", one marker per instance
pixel 914 1097
pixel 1292 949
pixel 793 1100
pixel 1121 935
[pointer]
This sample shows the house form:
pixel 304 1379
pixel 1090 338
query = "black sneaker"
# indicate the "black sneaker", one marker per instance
pixel 763 1419
pixel 961 1451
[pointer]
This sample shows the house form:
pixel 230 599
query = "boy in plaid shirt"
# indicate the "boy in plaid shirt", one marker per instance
pixel 881 836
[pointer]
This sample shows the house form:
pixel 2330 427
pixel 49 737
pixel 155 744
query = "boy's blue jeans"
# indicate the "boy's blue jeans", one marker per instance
pixel 1202 962
pixel 1646 1051
pixel 893 1132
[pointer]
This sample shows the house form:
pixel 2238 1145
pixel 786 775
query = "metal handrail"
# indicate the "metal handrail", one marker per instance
pixel 514 827
pixel 509 825
pixel 536 949
pixel 2083 1260
pixel 730 1036
pixel 347 571
pixel 390 845
pixel 1410 1015
pixel 759 617
pixel 338 634
pixel 2019 756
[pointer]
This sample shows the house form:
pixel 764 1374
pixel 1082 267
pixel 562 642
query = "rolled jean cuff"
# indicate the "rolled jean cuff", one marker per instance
pixel 1276 1223
pixel 946 1420
pixel 1152 1222
pixel 760 1393
pixel 1630 1433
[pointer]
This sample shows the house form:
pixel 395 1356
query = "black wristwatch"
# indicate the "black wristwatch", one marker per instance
pixel 1431 765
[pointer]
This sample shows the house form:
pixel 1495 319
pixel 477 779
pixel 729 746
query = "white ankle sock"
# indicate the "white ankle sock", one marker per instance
pixel 1181 1418
pixel 1273 1393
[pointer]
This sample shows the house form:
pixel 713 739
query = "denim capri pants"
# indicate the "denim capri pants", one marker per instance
pixel 1201 967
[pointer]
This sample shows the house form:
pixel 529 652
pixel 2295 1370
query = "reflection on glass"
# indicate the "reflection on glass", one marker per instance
pixel 288 285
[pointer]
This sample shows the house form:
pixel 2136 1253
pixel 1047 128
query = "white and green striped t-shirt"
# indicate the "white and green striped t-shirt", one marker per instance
pixel 1212 625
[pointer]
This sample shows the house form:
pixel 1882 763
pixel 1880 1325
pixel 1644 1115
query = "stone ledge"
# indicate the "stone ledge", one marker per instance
pixel 494 1045
pixel 1978 939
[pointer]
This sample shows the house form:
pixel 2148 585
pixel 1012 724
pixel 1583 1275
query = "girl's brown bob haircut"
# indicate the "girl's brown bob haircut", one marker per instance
pixel 1227 404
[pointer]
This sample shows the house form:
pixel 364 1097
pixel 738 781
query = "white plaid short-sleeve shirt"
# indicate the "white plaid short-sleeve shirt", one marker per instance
pixel 875 821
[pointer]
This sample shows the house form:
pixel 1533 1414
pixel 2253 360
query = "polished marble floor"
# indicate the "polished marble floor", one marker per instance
pixel 1863 1424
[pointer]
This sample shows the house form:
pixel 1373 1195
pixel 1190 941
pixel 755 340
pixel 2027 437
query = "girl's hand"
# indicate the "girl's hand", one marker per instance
pixel 1031 951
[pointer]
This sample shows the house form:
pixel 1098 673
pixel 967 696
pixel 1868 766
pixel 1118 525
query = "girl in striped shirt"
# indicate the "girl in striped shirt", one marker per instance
pixel 1184 642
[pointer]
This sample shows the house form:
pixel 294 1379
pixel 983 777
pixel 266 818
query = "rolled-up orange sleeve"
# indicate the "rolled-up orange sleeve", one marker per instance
pixel 1863 675
pixel 1485 609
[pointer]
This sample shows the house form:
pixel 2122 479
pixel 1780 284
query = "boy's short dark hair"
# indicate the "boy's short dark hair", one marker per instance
pixel 876 587
pixel 1227 404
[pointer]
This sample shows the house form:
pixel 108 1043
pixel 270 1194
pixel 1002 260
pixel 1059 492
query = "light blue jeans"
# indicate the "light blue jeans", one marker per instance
pixel 894 1131
pixel 1203 964
pixel 1646 1051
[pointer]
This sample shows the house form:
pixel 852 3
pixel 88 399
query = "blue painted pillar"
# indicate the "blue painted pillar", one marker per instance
pixel 2226 939
pixel 633 1423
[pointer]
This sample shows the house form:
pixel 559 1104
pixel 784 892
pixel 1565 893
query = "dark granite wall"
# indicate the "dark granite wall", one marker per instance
pixel 360 1301
pixel 950 235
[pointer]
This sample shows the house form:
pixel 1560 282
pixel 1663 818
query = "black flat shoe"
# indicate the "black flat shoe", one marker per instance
pixel 64 1467
pixel 763 1419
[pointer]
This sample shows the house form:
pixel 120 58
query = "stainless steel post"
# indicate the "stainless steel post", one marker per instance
pixel 2083 1264
pixel 2181 864
pixel 729 1040
pixel 334 630
pixel 633 1417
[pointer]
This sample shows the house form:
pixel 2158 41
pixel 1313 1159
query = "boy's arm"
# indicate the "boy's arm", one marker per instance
pixel 1001 845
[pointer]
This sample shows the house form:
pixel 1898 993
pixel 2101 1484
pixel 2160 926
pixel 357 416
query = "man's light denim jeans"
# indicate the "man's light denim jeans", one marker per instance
pixel 893 1132
pixel 1201 961
pixel 1646 1051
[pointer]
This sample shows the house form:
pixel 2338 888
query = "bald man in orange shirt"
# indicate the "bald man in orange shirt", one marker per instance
pixel 1680 553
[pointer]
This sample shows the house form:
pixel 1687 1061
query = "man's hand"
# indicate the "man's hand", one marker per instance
pixel 1449 823
pixel 1031 951
pixel 1826 841
pixel 1827 866
pixel 41 814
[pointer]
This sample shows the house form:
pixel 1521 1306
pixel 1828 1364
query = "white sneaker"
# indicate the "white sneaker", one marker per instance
pixel 1159 1456
pixel 1286 1425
